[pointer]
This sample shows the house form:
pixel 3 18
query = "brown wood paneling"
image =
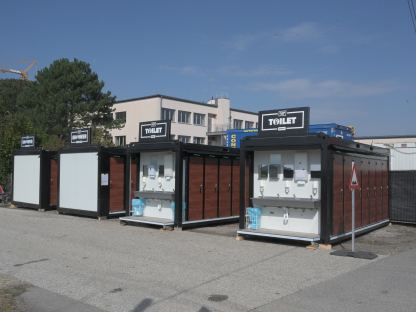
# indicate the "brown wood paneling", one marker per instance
pixel 379 190
pixel 385 190
pixel 358 194
pixel 211 188
pixel 196 188
pixel 225 188
pixel 248 174
pixel 372 191
pixel 337 196
pixel 116 184
pixel 53 196
pixel 365 191
pixel 347 194
pixel 236 188
pixel 133 179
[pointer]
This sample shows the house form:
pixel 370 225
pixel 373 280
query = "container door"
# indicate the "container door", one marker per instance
pixel 196 188
pixel 211 188
pixel 365 192
pixel 373 191
pixel 379 190
pixel 385 190
pixel 133 179
pixel 347 194
pixel 225 188
pixel 338 195
pixel 358 195
pixel 236 188
pixel 116 184
pixel 53 196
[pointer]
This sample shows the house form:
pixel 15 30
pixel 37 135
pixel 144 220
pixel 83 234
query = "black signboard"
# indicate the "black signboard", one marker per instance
pixel 282 122
pixel 81 136
pixel 154 130
pixel 27 141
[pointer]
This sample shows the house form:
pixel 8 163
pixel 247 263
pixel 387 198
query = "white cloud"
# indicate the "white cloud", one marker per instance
pixel 187 70
pixel 305 88
pixel 301 32
pixel 243 41
pixel 259 71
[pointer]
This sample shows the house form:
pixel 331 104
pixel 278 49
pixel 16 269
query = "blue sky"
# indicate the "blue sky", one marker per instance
pixel 352 62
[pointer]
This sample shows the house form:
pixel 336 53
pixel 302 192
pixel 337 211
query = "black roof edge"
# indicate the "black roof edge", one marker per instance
pixel 407 136
pixel 181 100
pixel 243 111
pixel 165 97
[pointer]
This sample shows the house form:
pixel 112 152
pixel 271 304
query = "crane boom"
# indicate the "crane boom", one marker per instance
pixel 22 73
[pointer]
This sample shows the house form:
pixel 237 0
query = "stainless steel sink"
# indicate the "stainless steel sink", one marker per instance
pixel 155 195
pixel 268 201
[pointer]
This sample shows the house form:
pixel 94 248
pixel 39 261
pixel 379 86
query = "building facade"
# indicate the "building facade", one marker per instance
pixel 192 121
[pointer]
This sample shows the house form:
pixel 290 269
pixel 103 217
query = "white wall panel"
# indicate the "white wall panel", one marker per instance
pixel 78 181
pixel 26 180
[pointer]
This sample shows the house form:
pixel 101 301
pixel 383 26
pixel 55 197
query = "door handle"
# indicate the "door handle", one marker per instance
pixel 229 187
pixel 201 188
pixel 215 187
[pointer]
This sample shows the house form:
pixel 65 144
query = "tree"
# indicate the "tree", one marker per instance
pixel 15 121
pixel 68 94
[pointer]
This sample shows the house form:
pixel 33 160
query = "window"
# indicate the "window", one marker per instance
pixel 168 114
pixel 199 140
pixel 249 125
pixel 121 116
pixel 238 124
pixel 263 172
pixel 184 138
pixel 161 171
pixel 184 117
pixel 199 119
pixel 120 140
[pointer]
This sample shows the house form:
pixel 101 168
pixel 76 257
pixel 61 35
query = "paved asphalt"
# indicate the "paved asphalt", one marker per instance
pixel 89 265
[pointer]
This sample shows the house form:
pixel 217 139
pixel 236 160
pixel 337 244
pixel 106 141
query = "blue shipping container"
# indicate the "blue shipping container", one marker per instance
pixel 234 136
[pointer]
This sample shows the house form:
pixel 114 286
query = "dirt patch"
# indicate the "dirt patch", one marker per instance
pixel 10 289
pixel 389 240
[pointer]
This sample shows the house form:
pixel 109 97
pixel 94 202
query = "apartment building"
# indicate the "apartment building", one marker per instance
pixel 192 121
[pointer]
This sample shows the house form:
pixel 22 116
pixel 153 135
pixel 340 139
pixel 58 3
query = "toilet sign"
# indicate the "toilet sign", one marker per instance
pixel 158 130
pixel 354 185
pixel 284 122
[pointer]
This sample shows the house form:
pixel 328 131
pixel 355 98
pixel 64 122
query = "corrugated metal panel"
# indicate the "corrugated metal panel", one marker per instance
pixel 402 158
pixel 403 196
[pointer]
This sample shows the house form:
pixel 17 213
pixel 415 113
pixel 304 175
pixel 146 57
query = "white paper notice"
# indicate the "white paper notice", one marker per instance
pixel 104 179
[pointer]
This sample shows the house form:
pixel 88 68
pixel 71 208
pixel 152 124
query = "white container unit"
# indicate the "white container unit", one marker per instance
pixel 32 179
pixel 286 188
pixel 92 181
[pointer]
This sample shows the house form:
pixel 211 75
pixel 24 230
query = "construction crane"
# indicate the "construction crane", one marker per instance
pixel 22 73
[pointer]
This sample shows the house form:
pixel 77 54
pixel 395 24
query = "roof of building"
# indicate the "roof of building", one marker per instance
pixel 180 100
pixel 407 136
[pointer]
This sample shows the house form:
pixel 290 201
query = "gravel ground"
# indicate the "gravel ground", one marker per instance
pixel 129 268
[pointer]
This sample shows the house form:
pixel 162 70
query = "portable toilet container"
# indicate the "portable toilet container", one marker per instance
pixel 181 184
pixel 299 183
pixel 92 179
pixel 35 176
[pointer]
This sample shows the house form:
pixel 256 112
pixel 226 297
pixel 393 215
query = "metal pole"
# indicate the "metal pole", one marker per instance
pixel 353 217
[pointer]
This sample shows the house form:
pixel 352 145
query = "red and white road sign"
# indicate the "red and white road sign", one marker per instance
pixel 354 185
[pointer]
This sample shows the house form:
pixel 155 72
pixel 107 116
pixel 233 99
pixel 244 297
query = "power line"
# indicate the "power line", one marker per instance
pixel 412 13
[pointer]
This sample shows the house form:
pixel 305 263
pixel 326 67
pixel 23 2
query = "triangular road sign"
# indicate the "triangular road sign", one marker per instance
pixel 354 185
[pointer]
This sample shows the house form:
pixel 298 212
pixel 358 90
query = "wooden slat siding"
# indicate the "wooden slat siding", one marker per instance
pixel 236 188
pixel 358 194
pixel 247 183
pixel 372 186
pixel 379 192
pixel 365 191
pixel 211 188
pixel 338 196
pixel 196 179
pixel 347 194
pixel 133 179
pixel 385 195
pixel 116 184
pixel 53 199
pixel 225 188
